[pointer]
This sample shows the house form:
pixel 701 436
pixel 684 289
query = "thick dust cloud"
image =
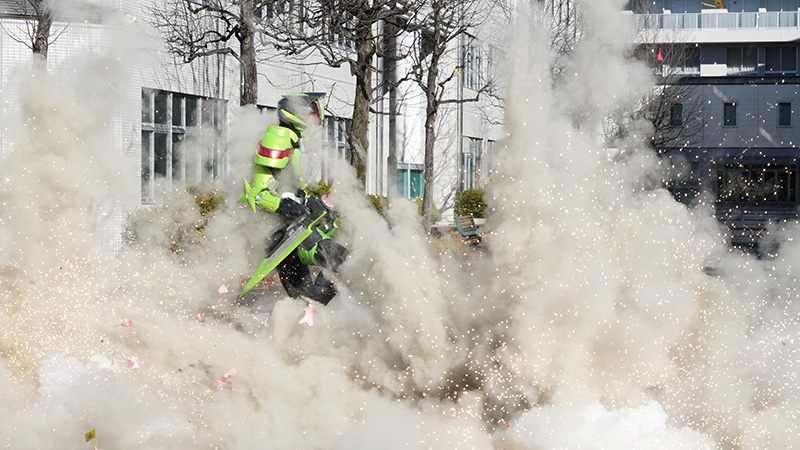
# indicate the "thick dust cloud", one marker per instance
pixel 602 314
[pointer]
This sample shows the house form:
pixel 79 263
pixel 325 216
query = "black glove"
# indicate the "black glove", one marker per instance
pixel 291 209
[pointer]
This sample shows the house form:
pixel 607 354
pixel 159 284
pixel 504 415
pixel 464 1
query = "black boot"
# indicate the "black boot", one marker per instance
pixel 322 290
pixel 330 254
pixel 294 275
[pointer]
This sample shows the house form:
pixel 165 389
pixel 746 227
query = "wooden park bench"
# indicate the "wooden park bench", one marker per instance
pixel 467 229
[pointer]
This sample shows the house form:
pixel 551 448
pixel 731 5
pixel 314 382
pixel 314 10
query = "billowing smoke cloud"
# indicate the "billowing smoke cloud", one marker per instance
pixel 602 314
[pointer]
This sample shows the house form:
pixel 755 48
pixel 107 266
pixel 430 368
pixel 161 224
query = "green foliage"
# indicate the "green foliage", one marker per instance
pixel 178 226
pixel 379 203
pixel 318 190
pixel 207 202
pixel 435 214
pixel 469 202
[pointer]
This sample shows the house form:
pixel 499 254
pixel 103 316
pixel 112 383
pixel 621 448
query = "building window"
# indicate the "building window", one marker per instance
pixel 781 59
pixel 338 29
pixel 729 115
pixel 688 62
pixel 764 184
pixel 681 173
pixel 168 120
pixel 337 131
pixel 676 115
pixel 475 149
pixel 742 60
pixel 780 13
pixel 268 111
pixel 782 5
pixel 648 6
pixel 494 65
pixel 286 14
pixel 749 6
pixel 681 179
pixel 473 75
pixel 409 180
pixel 784 114
pixel 334 137
pixel 685 6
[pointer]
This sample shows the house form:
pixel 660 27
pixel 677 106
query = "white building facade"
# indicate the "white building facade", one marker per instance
pixel 175 124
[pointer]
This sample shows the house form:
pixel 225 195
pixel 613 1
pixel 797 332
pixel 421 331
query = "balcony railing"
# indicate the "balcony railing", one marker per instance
pixel 717 21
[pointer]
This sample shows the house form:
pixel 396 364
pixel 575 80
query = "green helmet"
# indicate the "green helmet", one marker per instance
pixel 300 111
pixel 275 148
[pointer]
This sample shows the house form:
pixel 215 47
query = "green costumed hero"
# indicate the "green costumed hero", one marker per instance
pixel 278 186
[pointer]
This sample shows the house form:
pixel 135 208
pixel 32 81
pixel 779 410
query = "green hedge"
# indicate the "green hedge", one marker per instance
pixel 379 203
pixel 469 202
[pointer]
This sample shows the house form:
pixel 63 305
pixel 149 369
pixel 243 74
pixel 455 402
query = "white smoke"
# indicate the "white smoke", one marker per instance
pixel 591 321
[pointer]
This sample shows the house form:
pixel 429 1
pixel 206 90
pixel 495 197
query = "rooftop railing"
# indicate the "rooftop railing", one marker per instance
pixel 718 21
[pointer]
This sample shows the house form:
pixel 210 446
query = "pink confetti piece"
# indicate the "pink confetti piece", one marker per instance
pixel 126 324
pixel 229 373
pixel 133 362
pixel 220 384
pixel 223 289
pixel 308 319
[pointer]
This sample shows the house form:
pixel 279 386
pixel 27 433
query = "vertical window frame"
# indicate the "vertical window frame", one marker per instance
pixel 164 130
pixel 742 60
pixel 676 114
pixel 471 160
pixel 473 65
pixel 785 114
pixel 730 117
pixel 334 138
pixel 780 59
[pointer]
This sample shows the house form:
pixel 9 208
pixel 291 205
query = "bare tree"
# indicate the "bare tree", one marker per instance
pixel 196 29
pixel 41 34
pixel 565 29
pixel 438 26
pixel 671 110
pixel 342 32
pixel 38 15
pixel 673 107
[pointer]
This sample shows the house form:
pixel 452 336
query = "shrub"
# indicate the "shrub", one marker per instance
pixel 379 203
pixel 318 190
pixel 207 202
pixel 182 229
pixel 469 202
pixel 435 214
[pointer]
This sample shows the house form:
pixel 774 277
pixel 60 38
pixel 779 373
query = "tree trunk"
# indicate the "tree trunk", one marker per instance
pixel 40 41
pixel 359 132
pixel 249 66
pixel 391 76
pixel 431 111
